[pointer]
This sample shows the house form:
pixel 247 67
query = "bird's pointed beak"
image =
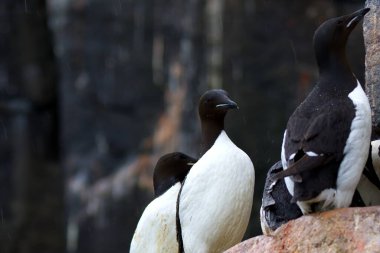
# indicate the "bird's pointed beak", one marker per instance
pixel 353 19
pixel 228 104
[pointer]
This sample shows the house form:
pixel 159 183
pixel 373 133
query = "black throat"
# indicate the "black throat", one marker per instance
pixel 333 66
pixel 167 183
pixel 334 71
pixel 211 129
pixel 334 60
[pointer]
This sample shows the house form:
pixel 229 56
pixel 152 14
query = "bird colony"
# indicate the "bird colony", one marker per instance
pixel 327 160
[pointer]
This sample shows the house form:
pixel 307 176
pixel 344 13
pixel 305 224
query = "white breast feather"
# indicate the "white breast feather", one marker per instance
pixel 288 181
pixel 375 157
pixel 263 222
pixel 368 191
pixel 216 199
pixel 356 149
pixel 156 230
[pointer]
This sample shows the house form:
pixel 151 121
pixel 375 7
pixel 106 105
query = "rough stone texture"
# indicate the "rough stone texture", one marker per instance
pixel 340 230
pixel 372 62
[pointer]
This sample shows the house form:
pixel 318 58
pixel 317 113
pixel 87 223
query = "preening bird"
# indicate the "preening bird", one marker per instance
pixel 327 138
pixel 156 229
pixel 215 201
pixel 276 208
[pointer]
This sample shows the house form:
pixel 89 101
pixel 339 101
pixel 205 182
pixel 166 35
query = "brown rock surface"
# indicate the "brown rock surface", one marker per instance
pixel 340 230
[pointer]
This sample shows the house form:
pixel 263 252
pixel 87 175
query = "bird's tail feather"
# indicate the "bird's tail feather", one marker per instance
pixel 304 164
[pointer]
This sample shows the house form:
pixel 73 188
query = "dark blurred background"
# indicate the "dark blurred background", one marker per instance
pixel 93 92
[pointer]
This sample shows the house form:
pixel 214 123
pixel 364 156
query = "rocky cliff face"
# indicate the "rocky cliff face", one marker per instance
pixel 372 61
pixel 340 230
pixel 85 114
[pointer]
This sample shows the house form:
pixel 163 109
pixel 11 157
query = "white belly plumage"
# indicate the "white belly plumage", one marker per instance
pixel 356 149
pixel 216 199
pixel 156 230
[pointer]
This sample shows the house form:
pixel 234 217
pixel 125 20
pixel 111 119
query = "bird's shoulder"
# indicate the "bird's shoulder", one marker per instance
pixel 326 124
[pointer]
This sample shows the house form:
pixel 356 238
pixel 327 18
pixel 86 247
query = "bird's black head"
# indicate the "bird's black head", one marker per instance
pixel 170 169
pixel 330 38
pixel 214 105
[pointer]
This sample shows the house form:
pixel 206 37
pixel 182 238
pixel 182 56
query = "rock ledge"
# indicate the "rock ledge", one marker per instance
pixel 340 230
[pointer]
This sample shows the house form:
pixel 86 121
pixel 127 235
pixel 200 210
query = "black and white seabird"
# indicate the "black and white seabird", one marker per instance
pixel 326 142
pixel 215 201
pixel 156 229
pixel 369 184
pixel 276 208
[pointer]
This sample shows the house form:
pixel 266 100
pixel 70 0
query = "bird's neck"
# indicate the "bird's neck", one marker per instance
pixel 332 60
pixel 334 67
pixel 211 129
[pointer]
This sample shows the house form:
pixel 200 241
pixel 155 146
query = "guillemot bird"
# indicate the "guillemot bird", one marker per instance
pixel 156 229
pixel 215 201
pixel 276 208
pixel 369 184
pixel 326 142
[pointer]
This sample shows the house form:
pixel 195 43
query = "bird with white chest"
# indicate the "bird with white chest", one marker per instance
pixel 156 229
pixel 277 209
pixel 369 184
pixel 215 201
pixel 326 142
